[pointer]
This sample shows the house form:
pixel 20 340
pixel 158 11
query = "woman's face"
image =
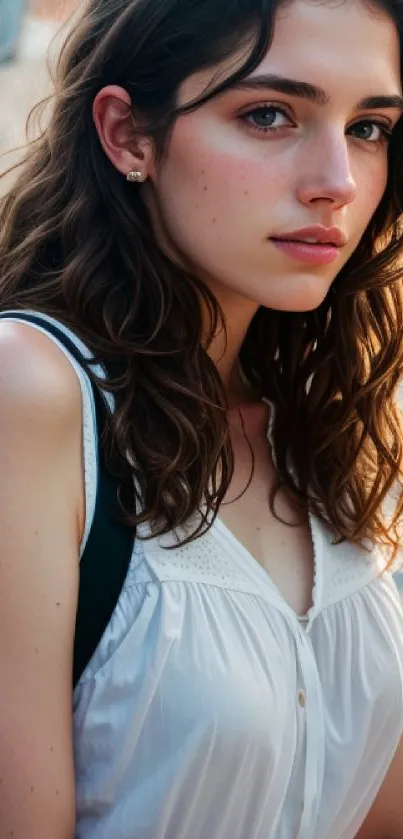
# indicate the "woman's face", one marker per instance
pixel 254 165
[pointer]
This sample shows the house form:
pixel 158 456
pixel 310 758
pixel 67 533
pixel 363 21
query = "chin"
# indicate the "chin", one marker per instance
pixel 303 306
pixel 300 296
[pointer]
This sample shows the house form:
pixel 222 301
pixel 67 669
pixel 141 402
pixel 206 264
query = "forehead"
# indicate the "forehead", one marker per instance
pixel 351 48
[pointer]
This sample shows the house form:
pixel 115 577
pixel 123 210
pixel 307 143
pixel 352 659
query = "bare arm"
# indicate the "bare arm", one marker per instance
pixel 41 512
pixel 385 820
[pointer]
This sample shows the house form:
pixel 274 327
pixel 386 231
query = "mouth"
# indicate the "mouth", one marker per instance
pixel 311 253
pixel 313 246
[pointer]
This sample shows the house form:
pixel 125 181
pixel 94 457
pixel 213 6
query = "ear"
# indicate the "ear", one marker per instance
pixel 115 126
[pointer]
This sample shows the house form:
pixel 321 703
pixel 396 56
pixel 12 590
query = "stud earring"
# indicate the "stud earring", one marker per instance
pixel 135 177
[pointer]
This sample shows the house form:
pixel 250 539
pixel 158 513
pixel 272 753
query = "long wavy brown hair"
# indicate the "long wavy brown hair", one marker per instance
pixel 76 242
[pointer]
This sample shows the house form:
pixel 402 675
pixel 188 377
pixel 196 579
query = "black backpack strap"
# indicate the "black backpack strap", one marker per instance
pixel 106 557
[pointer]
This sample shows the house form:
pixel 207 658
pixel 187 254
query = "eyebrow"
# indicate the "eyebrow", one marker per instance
pixel 314 94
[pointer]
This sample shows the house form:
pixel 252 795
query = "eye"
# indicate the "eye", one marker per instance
pixel 370 131
pixel 266 118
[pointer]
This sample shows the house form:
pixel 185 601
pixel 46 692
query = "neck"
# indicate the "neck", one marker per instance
pixel 226 346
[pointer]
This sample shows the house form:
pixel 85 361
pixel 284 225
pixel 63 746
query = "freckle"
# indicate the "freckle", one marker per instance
pixel 57 792
pixel 203 171
pixel 214 220
pixel 246 192
pixel 36 650
pixel 57 604
pixel 205 188
pixel 32 789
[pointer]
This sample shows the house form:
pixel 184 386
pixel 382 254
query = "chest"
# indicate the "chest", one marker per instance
pixel 280 540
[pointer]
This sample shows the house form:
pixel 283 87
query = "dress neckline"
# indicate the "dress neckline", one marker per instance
pixel 249 564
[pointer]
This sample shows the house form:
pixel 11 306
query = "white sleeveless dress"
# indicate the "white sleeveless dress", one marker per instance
pixel 209 711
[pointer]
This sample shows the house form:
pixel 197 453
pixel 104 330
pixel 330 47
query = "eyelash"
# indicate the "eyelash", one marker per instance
pixel 386 132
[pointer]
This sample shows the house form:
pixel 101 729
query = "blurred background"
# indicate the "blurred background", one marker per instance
pixel 27 28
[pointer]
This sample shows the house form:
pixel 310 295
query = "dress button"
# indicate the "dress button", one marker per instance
pixel 301 698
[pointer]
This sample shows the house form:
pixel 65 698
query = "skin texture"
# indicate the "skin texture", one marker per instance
pixel 225 186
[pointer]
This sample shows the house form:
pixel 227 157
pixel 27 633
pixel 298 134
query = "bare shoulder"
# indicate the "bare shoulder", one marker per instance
pixel 41 511
pixel 40 422
pixel 34 372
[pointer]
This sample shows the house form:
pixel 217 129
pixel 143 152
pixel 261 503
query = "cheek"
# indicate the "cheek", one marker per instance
pixel 210 174
pixel 371 190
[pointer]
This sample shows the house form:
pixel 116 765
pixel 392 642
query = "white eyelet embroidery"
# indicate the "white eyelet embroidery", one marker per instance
pixel 204 561
pixel 345 567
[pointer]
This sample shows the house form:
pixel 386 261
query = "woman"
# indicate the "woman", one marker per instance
pixel 213 214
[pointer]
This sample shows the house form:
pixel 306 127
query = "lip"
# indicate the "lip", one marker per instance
pixel 326 249
pixel 310 254
pixel 324 235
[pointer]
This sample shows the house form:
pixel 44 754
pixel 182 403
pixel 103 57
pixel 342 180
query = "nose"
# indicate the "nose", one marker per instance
pixel 325 173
